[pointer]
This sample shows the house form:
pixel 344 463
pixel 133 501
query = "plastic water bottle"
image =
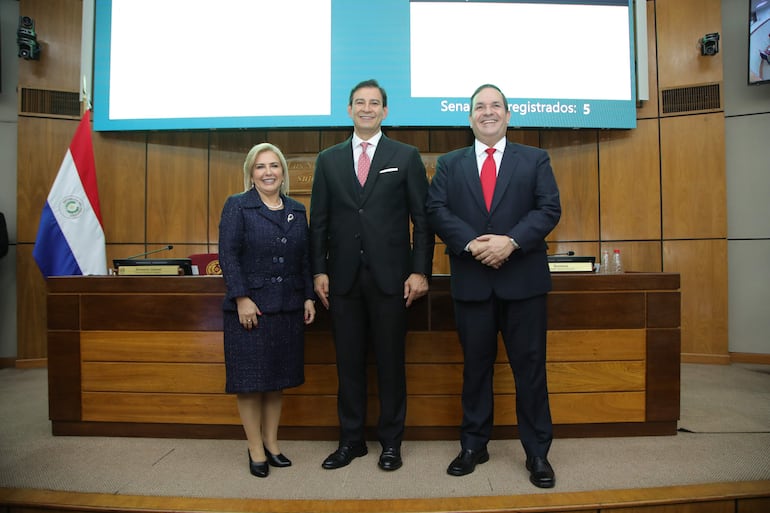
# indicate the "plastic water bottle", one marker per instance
pixel 617 263
pixel 604 266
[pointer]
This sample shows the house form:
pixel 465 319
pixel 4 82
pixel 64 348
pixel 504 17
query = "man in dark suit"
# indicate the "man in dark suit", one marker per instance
pixel 368 268
pixel 495 236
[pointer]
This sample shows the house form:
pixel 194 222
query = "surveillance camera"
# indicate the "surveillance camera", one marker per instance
pixel 26 39
pixel 709 44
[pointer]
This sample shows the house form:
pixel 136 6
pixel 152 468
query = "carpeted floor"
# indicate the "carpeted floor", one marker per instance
pixel 724 436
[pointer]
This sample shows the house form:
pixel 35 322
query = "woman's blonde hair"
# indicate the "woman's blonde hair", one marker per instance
pixel 251 157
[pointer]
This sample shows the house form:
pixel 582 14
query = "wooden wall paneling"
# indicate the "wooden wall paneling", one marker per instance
pixel 64 375
pixel 680 26
pixel 153 377
pixel 580 248
pixel 302 409
pixel 629 183
pixel 663 310
pixel 693 178
pixel 121 159
pixel 177 187
pixel 602 407
pixel 301 169
pixel 446 140
pixel 319 379
pixel 759 505
pixel 440 258
pixel 702 265
pixel 430 160
pixel 295 141
pixel 714 506
pixel 663 375
pixel 528 136
pixel 649 108
pixel 63 312
pixel 202 312
pixel 152 346
pixel 433 347
pixel 418 138
pixel 31 315
pixel 227 152
pixel 597 311
pixel 595 345
pixel 126 250
pixel 575 164
pixel 638 256
pixel 572 377
pixel 319 346
pixel 160 360
pixel 58 26
pixel 160 407
pixel 42 145
pixel 330 137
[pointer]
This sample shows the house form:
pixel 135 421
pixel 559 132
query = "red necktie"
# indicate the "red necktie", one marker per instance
pixel 363 164
pixel 488 177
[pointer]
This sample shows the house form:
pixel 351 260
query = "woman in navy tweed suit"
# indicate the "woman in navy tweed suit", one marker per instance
pixel 263 251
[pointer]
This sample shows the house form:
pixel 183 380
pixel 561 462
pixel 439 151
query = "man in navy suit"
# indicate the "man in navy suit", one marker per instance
pixel 369 268
pixel 499 276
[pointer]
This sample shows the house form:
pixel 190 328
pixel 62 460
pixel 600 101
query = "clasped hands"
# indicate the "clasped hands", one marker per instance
pixel 491 250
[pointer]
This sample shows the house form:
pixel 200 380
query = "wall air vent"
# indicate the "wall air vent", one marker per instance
pixel 44 102
pixel 701 98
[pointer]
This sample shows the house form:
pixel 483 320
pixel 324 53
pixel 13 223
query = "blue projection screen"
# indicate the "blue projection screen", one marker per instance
pixel 215 64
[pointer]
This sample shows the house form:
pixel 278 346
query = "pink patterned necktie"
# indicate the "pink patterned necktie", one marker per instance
pixel 363 164
pixel 488 177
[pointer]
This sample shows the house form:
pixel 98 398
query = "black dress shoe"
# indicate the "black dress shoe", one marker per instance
pixel 344 455
pixel 277 460
pixel 466 461
pixel 259 469
pixel 540 472
pixel 390 459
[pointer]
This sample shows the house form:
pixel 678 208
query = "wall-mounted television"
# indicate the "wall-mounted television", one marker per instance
pixel 216 64
pixel 759 42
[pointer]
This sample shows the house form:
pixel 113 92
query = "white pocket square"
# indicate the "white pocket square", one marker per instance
pixel 389 170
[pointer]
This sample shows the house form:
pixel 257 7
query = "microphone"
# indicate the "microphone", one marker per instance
pixel 566 253
pixel 164 248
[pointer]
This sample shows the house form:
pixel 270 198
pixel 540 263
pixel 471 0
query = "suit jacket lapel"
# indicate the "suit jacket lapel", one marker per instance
pixel 343 167
pixel 504 174
pixel 254 202
pixel 382 153
pixel 470 171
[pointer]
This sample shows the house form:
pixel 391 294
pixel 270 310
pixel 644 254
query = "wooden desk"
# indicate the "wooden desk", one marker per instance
pixel 142 356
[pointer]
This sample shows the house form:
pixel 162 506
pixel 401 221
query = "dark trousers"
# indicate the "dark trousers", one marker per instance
pixel 362 318
pixel 523 326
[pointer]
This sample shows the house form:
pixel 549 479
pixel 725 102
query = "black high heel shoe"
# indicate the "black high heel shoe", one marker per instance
pixel 259 469
pixel 277 460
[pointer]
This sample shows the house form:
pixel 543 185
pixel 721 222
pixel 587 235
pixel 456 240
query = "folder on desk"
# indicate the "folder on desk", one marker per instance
pixel 571 264
pixel 152 267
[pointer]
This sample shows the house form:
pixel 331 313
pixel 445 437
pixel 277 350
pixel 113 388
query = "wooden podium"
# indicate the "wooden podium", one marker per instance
pixel 142 356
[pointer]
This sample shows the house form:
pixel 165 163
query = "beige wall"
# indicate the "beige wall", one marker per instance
pixel 9 14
